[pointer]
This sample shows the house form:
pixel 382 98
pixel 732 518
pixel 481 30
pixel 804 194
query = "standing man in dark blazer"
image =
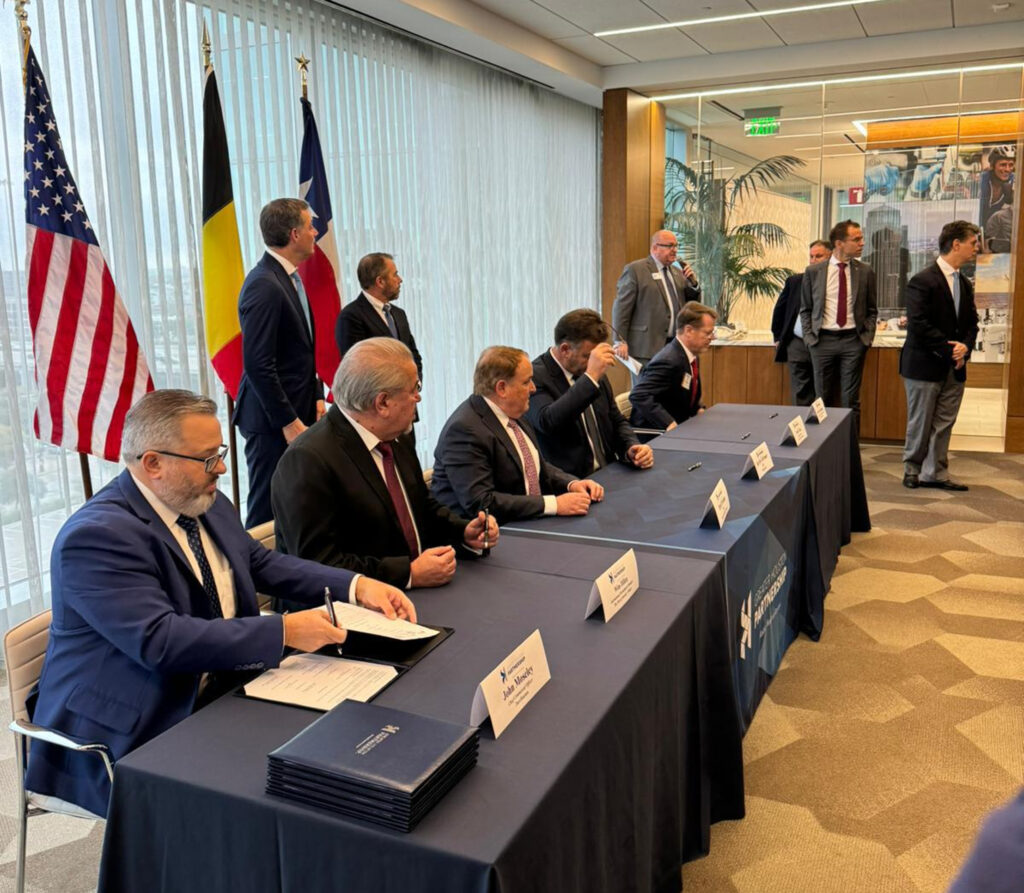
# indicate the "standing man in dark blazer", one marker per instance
pixel 838 313
pixel 789 335
pixel 669 391
pixel 650 293
pixel 350 493
pixel 374 314
pixel 487 457
pixel 578 425
pixel 942 326
pixel 279 395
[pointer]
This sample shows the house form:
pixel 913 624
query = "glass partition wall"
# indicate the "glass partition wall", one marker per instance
pixel 754 174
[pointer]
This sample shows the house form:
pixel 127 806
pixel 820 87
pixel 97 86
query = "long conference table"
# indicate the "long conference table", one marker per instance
pixel 612 775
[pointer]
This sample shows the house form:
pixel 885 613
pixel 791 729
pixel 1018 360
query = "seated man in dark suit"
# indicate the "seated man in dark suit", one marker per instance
pixel 349 492
pixel 668 391
pixel 154 586
pixel 487 458
pixel 789 334
pixel 578 425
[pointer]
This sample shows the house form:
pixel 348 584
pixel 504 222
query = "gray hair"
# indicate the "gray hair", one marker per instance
pixel 154 422
pixel 369 368
pixel 278 218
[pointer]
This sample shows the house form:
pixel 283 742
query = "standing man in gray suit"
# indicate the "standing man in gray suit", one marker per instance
pixel 650 293
pixel 838 312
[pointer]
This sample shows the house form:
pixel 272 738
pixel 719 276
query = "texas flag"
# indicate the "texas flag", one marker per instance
pixel 320 273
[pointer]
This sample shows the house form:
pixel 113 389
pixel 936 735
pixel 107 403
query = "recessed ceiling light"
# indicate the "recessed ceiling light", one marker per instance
pixel 758 14
pixel 863 79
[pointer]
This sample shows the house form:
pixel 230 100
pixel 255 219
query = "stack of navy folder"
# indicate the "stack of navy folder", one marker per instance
pixel 373 763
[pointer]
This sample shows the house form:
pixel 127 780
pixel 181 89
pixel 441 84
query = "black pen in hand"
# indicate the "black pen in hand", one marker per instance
pixel 487 534
pixel 329 604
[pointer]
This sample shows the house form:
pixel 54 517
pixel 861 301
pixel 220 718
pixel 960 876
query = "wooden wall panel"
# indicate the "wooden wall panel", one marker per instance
pixel 986 375
pixel 764 376
pixel 731 374
pixel 868 387
pixel 891 403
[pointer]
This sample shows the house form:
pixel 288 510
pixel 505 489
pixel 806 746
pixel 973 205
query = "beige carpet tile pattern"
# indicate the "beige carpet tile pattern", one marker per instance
pixel 879 749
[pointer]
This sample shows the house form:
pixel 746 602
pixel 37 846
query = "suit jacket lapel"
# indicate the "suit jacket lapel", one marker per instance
pixel 372 317
pixel 496 428
pixel 558 378
pixel 354 447
pixel 293 296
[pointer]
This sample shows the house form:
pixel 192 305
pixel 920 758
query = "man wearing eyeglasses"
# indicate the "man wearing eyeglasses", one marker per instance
pixel 154 600
pixel 350 492
pixel 668 391
pixel 650 293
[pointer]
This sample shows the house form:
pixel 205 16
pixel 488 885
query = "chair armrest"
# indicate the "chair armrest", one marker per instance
pixel 41 733
pixel 646 435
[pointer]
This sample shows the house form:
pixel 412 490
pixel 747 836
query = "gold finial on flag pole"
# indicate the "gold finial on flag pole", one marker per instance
pixel 302 64
pixel 21 14
pixel 206 46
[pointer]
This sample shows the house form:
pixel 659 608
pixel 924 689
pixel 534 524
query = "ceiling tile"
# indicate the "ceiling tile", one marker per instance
pixel 601 15
pixel 728 37
pixel 972 13
pixel 908 15
pixel 656 45
pixel 681 10
pixel 817 27
pixel 533 17
pixel 595 49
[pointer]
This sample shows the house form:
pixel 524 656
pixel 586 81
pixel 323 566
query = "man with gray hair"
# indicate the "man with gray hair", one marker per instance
pixel 154 599
pixel 350 491
pixel 279 395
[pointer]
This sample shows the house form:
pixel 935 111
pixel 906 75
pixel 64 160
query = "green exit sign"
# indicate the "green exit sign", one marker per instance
pixel 764 126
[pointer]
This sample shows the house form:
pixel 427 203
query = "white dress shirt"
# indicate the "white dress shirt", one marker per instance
pixel 550 502
pixel 378 306
pixel 828 318
pixel 950 275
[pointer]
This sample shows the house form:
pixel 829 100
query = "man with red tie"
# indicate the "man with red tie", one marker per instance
pixel 350 490
pixel 668 390
pixel 838 313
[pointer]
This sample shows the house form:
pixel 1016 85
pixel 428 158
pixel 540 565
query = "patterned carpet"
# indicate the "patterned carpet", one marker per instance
pixel 876 751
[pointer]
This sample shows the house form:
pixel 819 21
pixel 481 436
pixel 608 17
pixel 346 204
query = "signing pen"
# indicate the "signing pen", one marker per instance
pixel 329 604
pixel 487 532
pixel 745 436
pixel 695 466
pixel 773 415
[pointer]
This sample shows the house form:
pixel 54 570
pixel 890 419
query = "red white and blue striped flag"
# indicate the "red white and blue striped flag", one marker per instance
pixel 320 274
pixel 89 367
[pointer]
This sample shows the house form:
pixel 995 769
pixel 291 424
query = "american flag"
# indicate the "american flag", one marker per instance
pixel 320 273
pixel 89 366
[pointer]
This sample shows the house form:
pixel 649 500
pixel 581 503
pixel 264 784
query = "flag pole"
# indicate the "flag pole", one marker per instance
pixel 21 14
pixel 232 439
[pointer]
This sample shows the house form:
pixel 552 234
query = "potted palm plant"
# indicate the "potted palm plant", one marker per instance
pixel 728 258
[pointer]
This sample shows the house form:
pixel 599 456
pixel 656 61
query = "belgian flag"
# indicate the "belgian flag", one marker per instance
pixel 222 254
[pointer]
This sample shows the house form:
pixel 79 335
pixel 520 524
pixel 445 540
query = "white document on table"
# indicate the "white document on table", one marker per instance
pixel 363 620
pixel 320 681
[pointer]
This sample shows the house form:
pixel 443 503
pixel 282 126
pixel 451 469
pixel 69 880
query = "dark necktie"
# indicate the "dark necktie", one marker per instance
pixel 594 433
pixel 398 499
pixel 673 296
pixel 694 378
pixel 841 302
pixel 195 543
pixel 529 466
pixel 390 320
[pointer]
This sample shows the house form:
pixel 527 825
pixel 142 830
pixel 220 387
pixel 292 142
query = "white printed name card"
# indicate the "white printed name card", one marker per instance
pixel 795 434
pixel 758 463
pixel 717 508
pixel 817 413
pixel 614 587
pixel 510 686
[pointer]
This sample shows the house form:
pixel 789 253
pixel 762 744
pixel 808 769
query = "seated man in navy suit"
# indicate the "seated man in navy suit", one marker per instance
pixel 154 599
pixel 668 391
pixel 487 458
pixel 578 425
